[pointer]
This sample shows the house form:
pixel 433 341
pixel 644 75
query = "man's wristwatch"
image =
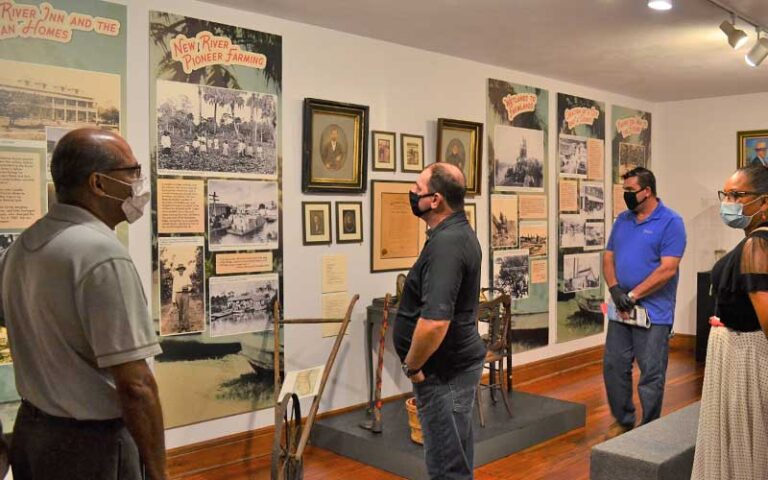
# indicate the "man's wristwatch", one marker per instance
pixel 408 371
pixel 632 297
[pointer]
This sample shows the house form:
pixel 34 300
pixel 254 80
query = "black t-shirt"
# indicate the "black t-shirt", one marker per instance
pixel 742 271
pixel 444 284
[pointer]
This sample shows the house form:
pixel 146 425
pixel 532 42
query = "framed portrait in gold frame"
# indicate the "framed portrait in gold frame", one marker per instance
pixel 461 143
pixel 752 148
pixel 335 146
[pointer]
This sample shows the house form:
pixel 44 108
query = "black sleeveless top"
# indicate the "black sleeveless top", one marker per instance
pixel 741 271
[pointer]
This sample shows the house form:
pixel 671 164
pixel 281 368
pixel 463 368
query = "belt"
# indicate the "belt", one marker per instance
pixel 35 412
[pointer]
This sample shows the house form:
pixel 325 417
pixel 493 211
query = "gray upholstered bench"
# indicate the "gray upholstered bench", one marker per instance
pixel 661 450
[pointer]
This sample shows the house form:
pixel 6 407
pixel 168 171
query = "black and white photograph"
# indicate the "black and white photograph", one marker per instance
pixel 212 131
pixel 631 156
pixel 594 235
pixel 572 155
pixel 504 221
pixel 592 200
pixel 572 231
pixel 6 239
pixel 182 285
pixel 241 303
pixel 34 96
pixel 316 223
pixel 511 272
pixel 519 159
pixel 533 236
pixel 242 214
pixel 349 222
pixel 581 272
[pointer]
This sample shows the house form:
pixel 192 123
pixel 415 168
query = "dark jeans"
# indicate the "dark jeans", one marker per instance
pixel 445 413
pixel 45 447
pixel 650 346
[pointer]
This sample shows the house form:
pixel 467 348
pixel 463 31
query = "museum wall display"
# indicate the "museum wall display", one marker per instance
pixel 212 101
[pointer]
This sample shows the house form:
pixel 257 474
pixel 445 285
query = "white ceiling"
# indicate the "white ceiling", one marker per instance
pixel 617 45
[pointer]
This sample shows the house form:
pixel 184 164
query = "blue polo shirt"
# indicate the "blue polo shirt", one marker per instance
pixel 637 250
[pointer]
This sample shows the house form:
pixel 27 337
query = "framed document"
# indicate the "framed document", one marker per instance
pixel 397 235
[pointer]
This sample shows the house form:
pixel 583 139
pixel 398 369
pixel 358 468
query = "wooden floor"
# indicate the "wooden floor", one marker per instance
pixel 565 457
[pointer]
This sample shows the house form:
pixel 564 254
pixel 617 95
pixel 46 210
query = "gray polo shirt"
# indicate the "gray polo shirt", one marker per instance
pixel 74 306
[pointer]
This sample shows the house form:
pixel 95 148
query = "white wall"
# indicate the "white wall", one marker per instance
pixel 407 90
pixel 698 153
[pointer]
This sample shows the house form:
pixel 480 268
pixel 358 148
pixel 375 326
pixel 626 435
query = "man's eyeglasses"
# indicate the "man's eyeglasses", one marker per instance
pixel 135 169
pixel 734 195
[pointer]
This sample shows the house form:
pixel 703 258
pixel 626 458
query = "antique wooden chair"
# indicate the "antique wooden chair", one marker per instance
pixel 497 313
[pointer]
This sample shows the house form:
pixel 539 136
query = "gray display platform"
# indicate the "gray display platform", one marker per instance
pixel 535 420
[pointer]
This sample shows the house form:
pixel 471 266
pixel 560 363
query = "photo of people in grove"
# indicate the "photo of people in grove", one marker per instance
pixel 203 130
pixel 182 285
pixel 503 221
pixel 572 154
pixel 242 214
pixel 519 159
pixel 242 303
pixel 511 272
pixel 581 272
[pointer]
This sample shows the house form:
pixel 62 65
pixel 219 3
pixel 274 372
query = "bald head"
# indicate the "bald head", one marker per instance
pixel 448 180
pixel 81 152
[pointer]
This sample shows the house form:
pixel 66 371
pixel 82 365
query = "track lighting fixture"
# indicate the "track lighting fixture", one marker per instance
pixel 758 52
pixel 660 4
pixel 736 37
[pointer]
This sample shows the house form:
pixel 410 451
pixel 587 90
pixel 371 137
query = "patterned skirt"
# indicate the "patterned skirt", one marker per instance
pixel 732 440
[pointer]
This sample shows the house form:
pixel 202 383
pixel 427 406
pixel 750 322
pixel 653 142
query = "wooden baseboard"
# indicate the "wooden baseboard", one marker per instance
pixel 255 444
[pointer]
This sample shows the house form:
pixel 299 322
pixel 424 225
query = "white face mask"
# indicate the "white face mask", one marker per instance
pixel 133 205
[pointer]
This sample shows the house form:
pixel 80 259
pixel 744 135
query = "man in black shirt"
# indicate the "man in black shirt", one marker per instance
pixel 435 333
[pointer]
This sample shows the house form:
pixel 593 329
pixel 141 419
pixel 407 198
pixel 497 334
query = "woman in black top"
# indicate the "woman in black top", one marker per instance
pixel 732 441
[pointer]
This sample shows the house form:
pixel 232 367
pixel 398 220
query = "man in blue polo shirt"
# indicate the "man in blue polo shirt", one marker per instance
pixel 641 268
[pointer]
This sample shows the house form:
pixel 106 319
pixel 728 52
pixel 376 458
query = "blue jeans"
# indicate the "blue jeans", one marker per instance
pixel 650 346
pixel 445 413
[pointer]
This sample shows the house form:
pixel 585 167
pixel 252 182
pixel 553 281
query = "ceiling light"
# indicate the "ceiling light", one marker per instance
pixel 758 53
pixel 660 4
pixel 737 38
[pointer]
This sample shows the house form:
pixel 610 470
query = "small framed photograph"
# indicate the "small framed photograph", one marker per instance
pixel 316 223
pixel 412 152
pixel 335 147
pixel 470 209
pixel 349 222
pixel 461 143
pixel 383 150
pixel 752 145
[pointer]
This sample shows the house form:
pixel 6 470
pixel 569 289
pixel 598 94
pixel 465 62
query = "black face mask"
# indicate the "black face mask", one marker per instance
pixel 630 198
pixel 414 199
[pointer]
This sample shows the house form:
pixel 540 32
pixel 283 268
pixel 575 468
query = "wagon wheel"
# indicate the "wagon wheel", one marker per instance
pixel 285 465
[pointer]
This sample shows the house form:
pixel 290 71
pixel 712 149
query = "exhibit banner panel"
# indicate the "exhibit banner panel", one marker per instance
pixel 62 67
pixel 631 147
pixel 581 217
pixel 518 130
pixel 215 107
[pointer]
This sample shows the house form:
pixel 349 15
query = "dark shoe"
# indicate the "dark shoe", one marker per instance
pixel 617 429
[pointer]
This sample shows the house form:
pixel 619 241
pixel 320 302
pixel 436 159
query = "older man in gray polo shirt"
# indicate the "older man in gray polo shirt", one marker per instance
pixel 78 324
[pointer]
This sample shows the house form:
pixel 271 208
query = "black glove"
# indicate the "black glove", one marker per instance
pixel 621 299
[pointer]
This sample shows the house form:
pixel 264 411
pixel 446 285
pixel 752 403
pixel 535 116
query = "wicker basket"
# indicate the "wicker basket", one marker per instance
pixel 413 421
